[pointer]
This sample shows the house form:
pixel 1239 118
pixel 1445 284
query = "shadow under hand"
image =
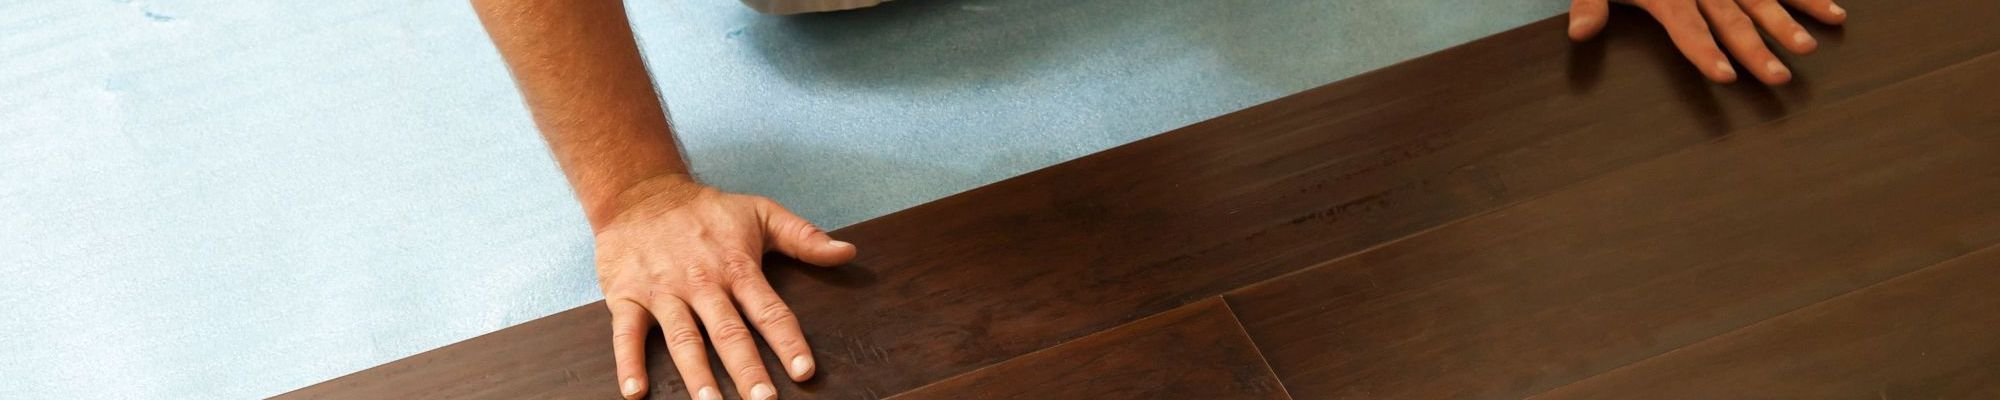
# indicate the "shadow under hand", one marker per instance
pixel 1630 29
pixel 1586 65
pixel 783 271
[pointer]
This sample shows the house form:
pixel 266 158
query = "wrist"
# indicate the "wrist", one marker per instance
pixel 663 191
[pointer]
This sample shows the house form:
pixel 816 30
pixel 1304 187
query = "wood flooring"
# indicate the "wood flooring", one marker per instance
pixel 1515 217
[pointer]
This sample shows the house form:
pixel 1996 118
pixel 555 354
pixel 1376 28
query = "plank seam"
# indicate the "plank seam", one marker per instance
pixel 1218 298
pixel 1601 176
pixel 1762 322
pixel 1282 388
pixel 1974 251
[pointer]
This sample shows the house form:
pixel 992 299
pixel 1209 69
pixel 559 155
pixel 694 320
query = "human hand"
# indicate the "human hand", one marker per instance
pixel 676 246
pixel 1689 23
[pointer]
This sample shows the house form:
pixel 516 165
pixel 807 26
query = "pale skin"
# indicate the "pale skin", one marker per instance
pixel 682 257
pixel 672 253
pixel 1695 26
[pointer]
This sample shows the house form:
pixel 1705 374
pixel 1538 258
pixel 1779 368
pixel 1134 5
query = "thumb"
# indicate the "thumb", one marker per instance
pixel 1586 18
pixel 794 236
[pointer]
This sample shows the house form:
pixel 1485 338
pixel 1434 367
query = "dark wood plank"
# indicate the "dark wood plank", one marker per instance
pixel 1053 255
pixel 548 358
pixel 1932 334
pixel 1196 351
pixel 1647 259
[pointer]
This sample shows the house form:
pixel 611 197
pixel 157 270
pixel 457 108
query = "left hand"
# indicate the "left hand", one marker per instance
pixel 1689 23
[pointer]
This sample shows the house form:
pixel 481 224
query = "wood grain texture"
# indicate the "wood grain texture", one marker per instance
pixel 548 358
pixel 1931 334
pixel 1648 259
pixel 1196 351
pixel 1031 262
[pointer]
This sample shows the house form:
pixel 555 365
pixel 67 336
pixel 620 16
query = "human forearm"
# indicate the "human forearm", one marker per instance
pixel 581 76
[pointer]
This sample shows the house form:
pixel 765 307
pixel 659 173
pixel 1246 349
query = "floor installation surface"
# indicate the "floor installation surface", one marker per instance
pixel 1515 217
pixel 270 194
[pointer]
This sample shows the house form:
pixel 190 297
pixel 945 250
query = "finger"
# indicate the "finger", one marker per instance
pixel 1740 36
pixel 778 325
pixel 629 324
pixel 1586 18
pixel 1780 25
pixel 1690 35
pixel 685 345
pixel 796 237
pixel 734 344
pixel 1822 10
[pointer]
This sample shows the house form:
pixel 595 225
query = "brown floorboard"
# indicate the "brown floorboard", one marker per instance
pixel 1031 262
pixel 1931 334
pixel 1647 259
pixel 1196 351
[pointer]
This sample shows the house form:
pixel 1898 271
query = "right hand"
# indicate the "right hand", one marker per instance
pixel 1689 23
pixel 677 250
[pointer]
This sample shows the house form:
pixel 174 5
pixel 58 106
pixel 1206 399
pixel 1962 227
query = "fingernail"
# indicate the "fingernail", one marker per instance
pixel 1727 71
pixel 800 366
pixel 836 243
pixel 708 393
pixel 1577 24
pixel 1802 38
pixel 1836 10
pixel 762 392
pixel 631 386
pixel 1777 68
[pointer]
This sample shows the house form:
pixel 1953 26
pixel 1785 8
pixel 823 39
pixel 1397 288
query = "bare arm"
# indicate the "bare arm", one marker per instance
pixel 579 70
pixel 670 251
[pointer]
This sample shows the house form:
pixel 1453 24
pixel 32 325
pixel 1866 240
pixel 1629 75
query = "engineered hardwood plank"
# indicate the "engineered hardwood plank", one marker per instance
pixel 1931 334
pixel 1030 262
pixel 1647 259
pixel 1196 351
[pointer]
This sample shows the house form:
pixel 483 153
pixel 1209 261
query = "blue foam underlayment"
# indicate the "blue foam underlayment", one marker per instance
pixel 230 199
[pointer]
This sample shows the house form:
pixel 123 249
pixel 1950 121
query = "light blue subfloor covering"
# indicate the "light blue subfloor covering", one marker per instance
pixel 232 199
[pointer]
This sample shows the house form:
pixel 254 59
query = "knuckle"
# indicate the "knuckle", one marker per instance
pixel 775 313
pixel 658 276
pixel 803 229
pixel 617 291
pixel 684 337
pixel 731 333
pixel 671 313
pixel 738 267
pixel 787 343
pixel 700 277
pixel 1672 15
pixel 752 372
pixel 628 330
pixel 1734 21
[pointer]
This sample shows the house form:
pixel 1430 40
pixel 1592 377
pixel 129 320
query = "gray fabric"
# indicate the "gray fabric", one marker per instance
pixel 787 7
pixel 216 199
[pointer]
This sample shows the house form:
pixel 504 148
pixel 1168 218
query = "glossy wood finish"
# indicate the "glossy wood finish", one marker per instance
pixel 1932 334
pixel 555 357
pixel 1196 351
pixel 1651 258
pixel 1523 122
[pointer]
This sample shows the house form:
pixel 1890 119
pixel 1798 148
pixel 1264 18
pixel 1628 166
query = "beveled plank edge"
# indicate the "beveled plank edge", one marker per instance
pixel 392 367
pixel 1240 333
pixel 1593 178
pixel 1245 331
pixel 1564 188
pixel 1138 145
pixel 1343 84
